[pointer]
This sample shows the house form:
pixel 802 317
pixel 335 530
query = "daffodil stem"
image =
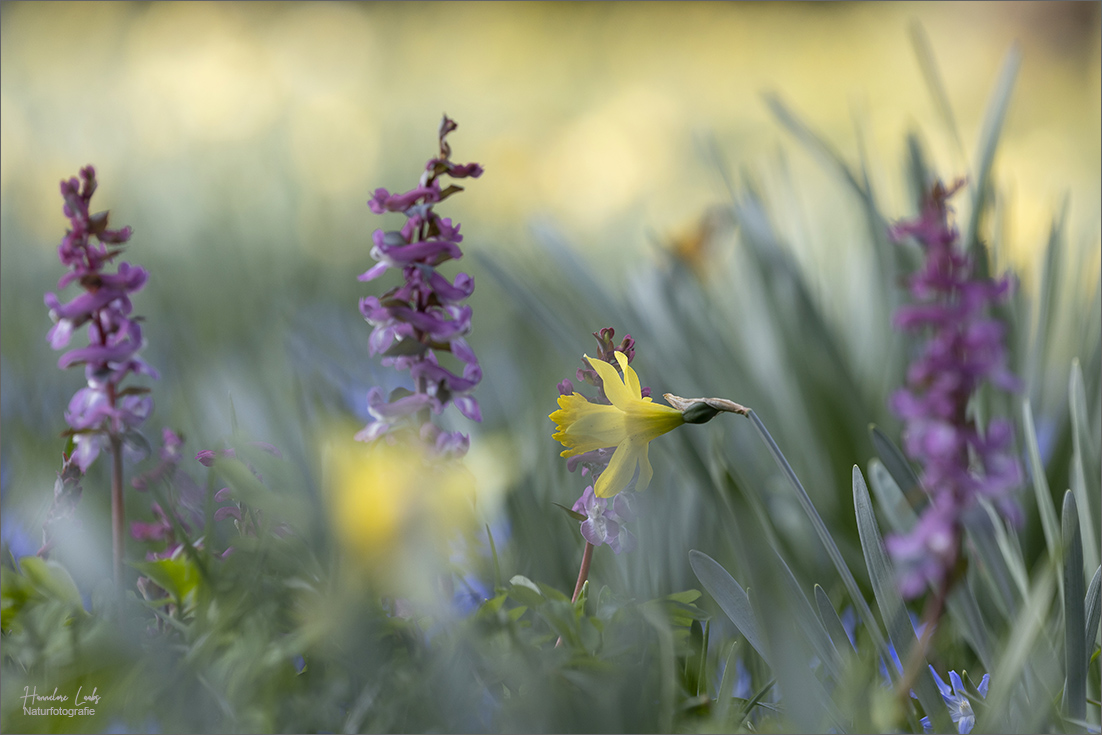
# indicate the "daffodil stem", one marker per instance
pixel 863 610
pixel 583 572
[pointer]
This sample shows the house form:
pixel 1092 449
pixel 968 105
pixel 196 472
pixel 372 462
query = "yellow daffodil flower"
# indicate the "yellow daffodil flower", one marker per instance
pixel 629 424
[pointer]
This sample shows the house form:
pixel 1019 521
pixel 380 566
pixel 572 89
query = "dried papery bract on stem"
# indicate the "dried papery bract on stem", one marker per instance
pixel 104 413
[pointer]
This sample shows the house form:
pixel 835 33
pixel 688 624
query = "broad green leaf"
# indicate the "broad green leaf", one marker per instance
pixel 1075 649
pixel 178 576
pixel 890 601
pixel 525 591
pixel 730 596
pixel 52 579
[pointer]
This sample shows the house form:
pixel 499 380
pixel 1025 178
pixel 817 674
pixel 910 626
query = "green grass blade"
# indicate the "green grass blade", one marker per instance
pixel 831 622
pixel 1075 649
pixel 966 612
pixel 810 622
pixel 895 463
pixel 1006 687
pixel 980 529
pixel 1093 604
pixel 730 596
pixel 935 85
pixel 988 142
pixel 816 143
pixel 1051 286
pixel 1040 483
pixel 863 610
pixel 890 601
pixel 1080 435
pixel 901 516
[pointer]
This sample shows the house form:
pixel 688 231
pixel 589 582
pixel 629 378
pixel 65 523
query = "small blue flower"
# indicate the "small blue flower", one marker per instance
pixel 956 699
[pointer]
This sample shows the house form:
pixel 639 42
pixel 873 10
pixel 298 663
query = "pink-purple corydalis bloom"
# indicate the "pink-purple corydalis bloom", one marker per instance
pixel 605 519
pixel 964 348
pixel 103 408
pixel 423 316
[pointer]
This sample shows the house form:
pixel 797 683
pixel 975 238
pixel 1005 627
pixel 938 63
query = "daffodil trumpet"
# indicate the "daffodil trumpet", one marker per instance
pixel 629 424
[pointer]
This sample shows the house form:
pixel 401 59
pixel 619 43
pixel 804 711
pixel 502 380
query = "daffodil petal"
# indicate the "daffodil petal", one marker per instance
pixel 584 426
pixel 620 470
pixel 615 389
pixel 631 378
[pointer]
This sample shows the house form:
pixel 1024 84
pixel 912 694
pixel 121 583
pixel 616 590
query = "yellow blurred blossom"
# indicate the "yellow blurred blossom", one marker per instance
pixel 629 424
pixel 394 508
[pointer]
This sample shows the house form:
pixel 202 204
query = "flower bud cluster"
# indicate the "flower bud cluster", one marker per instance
pixel 423 316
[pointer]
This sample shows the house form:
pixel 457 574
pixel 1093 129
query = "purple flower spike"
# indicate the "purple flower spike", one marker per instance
pixel 103 409
pixel 963 350
pixel 422 317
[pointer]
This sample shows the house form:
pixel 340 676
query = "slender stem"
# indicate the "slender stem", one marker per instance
pixel 118 514
pixel 583 573
pixel 932 614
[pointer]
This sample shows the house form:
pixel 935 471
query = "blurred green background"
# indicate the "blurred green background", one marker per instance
pixel 242 140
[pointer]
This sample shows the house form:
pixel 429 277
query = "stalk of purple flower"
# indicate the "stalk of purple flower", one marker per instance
pixel 422 317
pixel 960 463
pixel 102 413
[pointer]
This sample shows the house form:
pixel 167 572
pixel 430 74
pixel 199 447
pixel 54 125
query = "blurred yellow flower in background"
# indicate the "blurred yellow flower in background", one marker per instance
pixel 629 424
pixel 395 509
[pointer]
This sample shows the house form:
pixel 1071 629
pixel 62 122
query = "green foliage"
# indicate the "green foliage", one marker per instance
pixel 777 526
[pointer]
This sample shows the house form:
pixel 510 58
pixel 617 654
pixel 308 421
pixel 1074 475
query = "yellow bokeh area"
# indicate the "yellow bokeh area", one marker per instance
pixel 280 118
pixel 397 512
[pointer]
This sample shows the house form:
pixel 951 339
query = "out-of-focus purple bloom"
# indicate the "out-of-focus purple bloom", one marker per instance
pixel 422 317
pixel 170 455
pixel 964 348
pixel 605 519
pixel 956 698
pixel 104 408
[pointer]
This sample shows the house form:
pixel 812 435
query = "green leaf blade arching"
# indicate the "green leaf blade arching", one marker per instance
pixel 1075 649
pixel 730 596
pixel 892 609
